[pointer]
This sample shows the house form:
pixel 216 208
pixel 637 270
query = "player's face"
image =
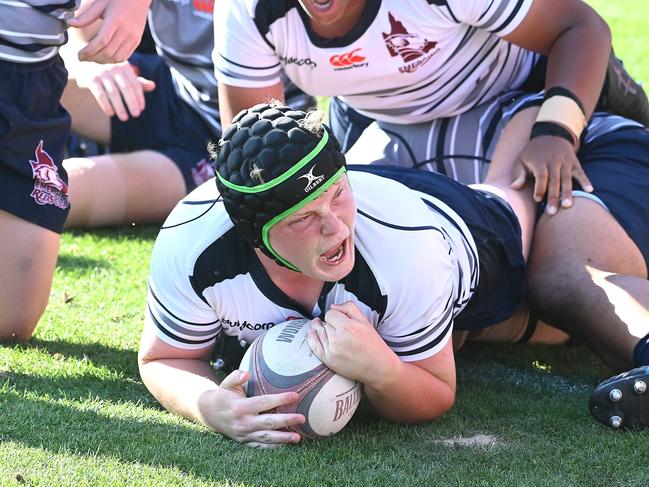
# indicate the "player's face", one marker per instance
pixel 332 12
pixel 319 238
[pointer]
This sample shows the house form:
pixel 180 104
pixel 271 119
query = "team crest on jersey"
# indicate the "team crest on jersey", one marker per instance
pixel 49 188
pixel 414 50
pixel 202 171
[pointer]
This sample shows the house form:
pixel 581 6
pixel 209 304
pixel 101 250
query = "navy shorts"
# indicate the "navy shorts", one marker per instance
pixel 167 125
pixel 497 236
pixel 346 123
pixel 34 128
pixel 617 164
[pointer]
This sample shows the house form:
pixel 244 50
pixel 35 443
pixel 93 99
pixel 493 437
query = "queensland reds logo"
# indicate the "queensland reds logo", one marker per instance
pixel 49 188
pixel 413 49
pixel 351 59
pixel 202 171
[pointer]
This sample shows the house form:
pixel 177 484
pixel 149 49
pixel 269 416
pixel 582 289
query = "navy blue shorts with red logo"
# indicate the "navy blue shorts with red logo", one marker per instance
pixel 33 131
pixel 167 125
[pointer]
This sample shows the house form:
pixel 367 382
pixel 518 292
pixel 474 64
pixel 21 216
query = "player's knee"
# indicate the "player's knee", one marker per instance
pixel 15 328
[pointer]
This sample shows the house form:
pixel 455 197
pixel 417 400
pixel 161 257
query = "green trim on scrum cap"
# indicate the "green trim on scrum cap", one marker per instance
pixel 283 177
pixel 266 228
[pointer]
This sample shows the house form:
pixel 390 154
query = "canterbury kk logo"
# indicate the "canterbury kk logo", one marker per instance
pixel 312 181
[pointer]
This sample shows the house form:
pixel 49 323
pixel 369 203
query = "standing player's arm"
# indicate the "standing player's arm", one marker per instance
pixel 185 384
pixel 398 391
pixel 577 42
pixel 233 99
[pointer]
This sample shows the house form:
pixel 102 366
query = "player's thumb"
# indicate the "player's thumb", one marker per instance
pixel 89 15
pixel 519 176
pixel 235 380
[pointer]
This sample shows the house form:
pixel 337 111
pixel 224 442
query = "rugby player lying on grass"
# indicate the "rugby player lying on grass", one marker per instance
pixel 390 260
pixel 587 270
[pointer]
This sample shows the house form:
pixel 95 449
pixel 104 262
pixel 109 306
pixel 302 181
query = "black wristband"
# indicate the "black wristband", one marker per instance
pixel 551 128
pixel 561 91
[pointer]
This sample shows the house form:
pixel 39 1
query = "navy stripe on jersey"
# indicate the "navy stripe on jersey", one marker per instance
pixel 48 9
pixel 157 300
pixel 428 346
pixel 362 283
pixel 175 337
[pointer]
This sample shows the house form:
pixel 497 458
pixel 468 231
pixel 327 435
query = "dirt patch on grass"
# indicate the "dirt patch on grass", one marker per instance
pixel 476 441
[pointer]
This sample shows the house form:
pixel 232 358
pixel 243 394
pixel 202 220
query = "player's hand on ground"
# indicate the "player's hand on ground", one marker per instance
pixel 117 88
pixel 553 164
pixel 246 419
pixel 120 32
pixel 348 344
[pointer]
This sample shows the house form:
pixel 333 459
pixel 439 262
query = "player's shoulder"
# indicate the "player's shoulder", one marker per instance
pixel 196 222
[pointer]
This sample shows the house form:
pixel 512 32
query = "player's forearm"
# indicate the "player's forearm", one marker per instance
pixel 410 394
pixel 183 386
pixel 578 58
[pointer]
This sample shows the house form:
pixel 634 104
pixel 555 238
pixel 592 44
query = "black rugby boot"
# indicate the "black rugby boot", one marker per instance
pixel 623 401
pixel 622 95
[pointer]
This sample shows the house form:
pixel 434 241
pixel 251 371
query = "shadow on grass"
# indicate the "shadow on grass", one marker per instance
pixel 123 232
pixel 68 262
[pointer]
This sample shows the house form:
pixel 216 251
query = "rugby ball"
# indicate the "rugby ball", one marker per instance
pixel 280 360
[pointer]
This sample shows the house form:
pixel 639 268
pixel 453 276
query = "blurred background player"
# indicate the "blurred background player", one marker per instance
pixel 34 200
pixel 156 114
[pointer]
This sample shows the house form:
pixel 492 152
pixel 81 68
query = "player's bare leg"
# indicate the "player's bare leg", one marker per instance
pixel 587 277
pixel 27 261
pixel 115 189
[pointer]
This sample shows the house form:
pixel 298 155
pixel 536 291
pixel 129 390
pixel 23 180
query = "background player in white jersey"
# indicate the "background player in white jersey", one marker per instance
pixel 33 130
pixel 155 113
pixel 392 259
pixel 414 61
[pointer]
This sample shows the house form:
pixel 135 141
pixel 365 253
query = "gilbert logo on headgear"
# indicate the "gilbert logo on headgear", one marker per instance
pixel 312 181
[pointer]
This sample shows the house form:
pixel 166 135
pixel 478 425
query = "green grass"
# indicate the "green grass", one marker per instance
pixel 73 410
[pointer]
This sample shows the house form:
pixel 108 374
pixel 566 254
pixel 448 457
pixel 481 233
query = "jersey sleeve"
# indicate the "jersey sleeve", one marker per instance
pixel 176 312
pixel 421 308
pixel 242 56
pixel 500 17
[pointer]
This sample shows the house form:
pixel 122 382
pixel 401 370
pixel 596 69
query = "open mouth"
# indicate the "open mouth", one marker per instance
pixel 321 5
pixel 335 255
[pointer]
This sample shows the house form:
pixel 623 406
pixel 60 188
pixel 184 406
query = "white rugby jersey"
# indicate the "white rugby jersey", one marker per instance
pixel 33 30
pixel 416 268
pixel 406 61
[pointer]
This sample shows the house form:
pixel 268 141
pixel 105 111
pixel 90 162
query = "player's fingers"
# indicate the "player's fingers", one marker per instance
pixel 97 89
pixel 270 438
pixel 582 179
pixel 89 15
pixel 125 49
pixel 131 92
pixel 115 97
pixel 519 176
pixel 234 380
pixel 350 310
pixel 267 402
pixel 315 344
pixel 540 184
pixel 147 84
pixel 566 187
pixel 271 422
pixel 553 188
pixel 95 50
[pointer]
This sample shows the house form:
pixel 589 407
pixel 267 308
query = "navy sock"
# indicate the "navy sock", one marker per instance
pixel 641 352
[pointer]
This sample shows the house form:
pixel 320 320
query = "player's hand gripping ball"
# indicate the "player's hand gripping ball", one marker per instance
pixel 280 360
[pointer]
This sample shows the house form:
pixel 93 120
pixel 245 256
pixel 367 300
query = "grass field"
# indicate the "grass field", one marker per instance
pixel 73 410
